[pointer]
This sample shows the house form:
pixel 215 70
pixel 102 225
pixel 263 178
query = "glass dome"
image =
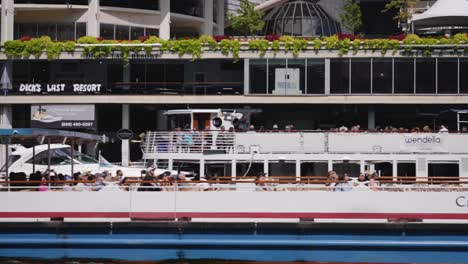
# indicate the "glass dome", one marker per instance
pixel 300 18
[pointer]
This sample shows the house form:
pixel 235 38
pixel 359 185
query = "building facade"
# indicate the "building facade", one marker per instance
pixel 314 89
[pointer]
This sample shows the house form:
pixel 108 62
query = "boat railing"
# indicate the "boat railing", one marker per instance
pixel 225 142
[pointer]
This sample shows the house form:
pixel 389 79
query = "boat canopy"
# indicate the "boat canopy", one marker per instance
pixel 444 13
pixel 25 135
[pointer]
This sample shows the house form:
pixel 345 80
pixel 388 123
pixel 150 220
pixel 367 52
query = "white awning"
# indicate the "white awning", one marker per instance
pixel 444 13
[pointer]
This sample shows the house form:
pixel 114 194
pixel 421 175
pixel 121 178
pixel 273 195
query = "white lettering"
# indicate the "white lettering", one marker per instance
pixel 86 88
pixel 30 88
pixel 55 88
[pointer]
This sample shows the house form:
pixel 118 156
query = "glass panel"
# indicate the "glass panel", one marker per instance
pixel 152 32
pixel 360 76
pixel 314 168
pixel 447 76
pixel 53 2
pixel 27 30
pixel 282 168
pixel 463 77
pixel 404 76
pixel 339 76
pixel 187 7
pixel 382 76
pixel 276 76
pixel 136 33
pixel 47 30
pixel 139 4
pixel 122 32
pixel 107 31
pixel 295 75
pixel 80 30
pixel 315 76
pixel 258 78
pixel 65 32
pixel 426 76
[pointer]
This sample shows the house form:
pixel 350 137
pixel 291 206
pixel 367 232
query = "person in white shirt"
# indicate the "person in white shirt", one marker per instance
pixel 443 129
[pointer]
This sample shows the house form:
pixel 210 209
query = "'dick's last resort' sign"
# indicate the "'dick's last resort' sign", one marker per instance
pixel 33 88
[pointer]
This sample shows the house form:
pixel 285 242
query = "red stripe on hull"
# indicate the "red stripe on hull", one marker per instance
pixel 171 215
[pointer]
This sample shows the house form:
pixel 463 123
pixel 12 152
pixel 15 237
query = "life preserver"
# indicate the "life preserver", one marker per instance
pixel 217 122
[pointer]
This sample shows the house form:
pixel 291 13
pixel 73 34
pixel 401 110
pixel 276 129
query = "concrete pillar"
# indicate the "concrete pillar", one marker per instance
pixel 220 17
pixel 371 117
pixel 421 168
pixel 8 20
pixel 298 169
pixel 265 168
pixel 395 170
pixel 208 15
pixel 234 169
pixel 125 143
pixel 93 19
pixel 7 76
pixel 327 76
pixel 6 120
pixel 165 23
pixel 246 76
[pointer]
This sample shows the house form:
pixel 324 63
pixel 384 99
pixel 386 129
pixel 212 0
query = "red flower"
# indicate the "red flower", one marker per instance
pixel 272 37
pixel 343 36
pixel 399 37
pixel 25 38
pixel 143 38
pixel 219 38
pixel 100 39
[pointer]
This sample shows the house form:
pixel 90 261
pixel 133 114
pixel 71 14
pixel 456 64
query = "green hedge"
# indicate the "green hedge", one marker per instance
pixel 229 47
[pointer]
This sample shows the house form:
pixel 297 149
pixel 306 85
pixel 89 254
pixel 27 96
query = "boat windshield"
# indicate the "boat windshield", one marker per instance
pixel 11 160
pixel 82 158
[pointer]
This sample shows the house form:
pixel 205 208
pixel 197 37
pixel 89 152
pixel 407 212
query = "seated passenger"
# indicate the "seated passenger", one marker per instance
pixel 260 182
pixel 344 184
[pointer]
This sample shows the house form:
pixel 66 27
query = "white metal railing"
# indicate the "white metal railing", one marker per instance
pixel 304 142
pixel 188 141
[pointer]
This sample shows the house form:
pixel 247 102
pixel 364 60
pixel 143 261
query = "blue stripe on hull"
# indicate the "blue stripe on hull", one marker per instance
pixel 274 242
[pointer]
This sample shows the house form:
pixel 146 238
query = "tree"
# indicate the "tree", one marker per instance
pixel 405 10
pixel 351 19
pixel 247 20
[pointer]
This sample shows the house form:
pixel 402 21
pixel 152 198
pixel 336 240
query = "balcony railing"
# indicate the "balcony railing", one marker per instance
pixel 303 142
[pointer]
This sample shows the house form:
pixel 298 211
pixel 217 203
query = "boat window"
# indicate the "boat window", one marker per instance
pixel 12 159
pixel 61 156
pixel 180 121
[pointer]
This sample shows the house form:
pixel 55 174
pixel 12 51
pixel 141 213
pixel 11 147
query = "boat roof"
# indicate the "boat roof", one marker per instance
pixel 38 148
pixel 34 135
pixel 191 111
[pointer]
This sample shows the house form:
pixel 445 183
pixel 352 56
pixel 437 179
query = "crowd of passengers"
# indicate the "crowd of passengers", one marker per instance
pixel 149 181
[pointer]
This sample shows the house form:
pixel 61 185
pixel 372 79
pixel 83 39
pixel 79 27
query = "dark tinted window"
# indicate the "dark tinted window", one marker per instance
pixel 382 76
pixel 138 4
pixel 339 76
pixel 464 76
pixel 426 76
pixel 315 77
pixel 360 76
pixel 258 77
pixel 53 2
pixel 447 73
pixel 404 76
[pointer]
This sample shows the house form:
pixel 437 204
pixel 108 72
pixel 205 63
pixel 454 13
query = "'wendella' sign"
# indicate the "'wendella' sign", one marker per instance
pixel 423 143
pixel 59 88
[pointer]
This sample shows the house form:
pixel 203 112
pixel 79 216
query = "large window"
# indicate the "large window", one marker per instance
pixel 463 76
pixel 188 7
pixel 315 76
pixel 382 71
pixel 447 76
pixel 56 31
pixel 138 4
pixel 258 76
pixel 120 32
pixel 276 76
pixel 54 2
pixel 404 76
pixel 426 76
pixel 339 76
pixel 360 76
